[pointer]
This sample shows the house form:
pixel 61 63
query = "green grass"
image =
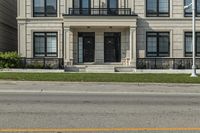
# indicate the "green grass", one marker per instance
pixel 99 77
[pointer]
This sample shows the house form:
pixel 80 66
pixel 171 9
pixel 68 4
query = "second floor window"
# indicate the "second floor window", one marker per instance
pixel 157 8
pixel 188 11
pixel 44 8
pixel 112 6
pixel 81 7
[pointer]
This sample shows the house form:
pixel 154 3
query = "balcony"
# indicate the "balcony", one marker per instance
pixel 100 12
pixel 96 17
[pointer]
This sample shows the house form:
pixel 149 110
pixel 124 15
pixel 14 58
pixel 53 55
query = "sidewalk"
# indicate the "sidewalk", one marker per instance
pixel 117 88
pixel 135 71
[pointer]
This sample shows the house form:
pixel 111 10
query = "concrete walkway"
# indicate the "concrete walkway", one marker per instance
pixel 134 71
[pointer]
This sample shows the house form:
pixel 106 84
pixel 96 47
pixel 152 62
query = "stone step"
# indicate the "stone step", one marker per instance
pixel 100 68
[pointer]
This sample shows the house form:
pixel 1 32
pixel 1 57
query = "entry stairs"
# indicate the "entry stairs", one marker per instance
pixel 99 68
pixel 91 68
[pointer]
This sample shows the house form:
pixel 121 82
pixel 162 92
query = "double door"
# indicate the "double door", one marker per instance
pixel 112 47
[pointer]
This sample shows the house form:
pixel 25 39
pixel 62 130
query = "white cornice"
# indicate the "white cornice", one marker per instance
pixel 168 19
pixel 100 17
pixel 40 19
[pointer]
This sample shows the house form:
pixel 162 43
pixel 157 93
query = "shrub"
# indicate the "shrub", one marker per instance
pixel 9 60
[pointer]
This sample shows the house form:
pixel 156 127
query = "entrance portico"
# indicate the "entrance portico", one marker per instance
pixel 106 41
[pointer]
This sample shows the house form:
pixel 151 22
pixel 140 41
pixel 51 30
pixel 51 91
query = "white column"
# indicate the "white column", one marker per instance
pixel 68 4
pixel 21 8
pixel 67 46
pixel 22 39
pixel 133 46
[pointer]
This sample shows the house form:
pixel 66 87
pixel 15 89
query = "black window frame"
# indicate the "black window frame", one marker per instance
pixel 81 9
pixel 112 11
pixel 45 13
pixel 117 4
pixel 45 41
pixel 158 14
pixel 158 54
pixel 189 54
pixel 186 14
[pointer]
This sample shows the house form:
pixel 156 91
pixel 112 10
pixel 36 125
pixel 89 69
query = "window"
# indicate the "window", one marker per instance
pixel 112 3
pixel 82 7
pixel 158 44
pixel 45 44
pixel 188 11
pixel 44 8
pixel 157 8
pixel 188 44
pixel 112 6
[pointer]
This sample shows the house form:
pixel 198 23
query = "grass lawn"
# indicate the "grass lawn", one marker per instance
pixel 99 77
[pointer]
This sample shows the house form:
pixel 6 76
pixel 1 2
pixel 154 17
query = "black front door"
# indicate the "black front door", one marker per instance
pixel 88 46
pixel 112 47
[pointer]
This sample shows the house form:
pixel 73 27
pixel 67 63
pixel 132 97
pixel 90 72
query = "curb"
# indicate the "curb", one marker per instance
pixel 104 83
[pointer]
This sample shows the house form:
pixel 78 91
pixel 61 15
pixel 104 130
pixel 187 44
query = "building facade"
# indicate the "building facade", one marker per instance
pixel 143 34
pixel 8 25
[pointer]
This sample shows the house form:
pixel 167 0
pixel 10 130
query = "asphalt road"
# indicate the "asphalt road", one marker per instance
pixel 99 109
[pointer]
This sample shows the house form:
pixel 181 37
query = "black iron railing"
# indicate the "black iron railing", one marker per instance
pixel 166 63
pixel 33 63
pixel 42 63
pixel 100 12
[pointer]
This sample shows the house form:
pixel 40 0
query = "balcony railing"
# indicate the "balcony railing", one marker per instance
pixel 100 12
pixel 42 63
pixel 32 63
pixel 166 63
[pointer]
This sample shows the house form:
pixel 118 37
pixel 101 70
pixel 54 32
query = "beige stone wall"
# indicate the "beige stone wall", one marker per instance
pixel 176 24
pixel 25 8
pixel 27 24
pixel 26 50
pixel 177 28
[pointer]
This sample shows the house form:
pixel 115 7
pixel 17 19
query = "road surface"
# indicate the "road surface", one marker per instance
pixel 68 109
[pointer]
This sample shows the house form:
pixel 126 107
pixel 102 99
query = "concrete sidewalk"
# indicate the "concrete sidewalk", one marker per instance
pixel 132 71
pixel 77 87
